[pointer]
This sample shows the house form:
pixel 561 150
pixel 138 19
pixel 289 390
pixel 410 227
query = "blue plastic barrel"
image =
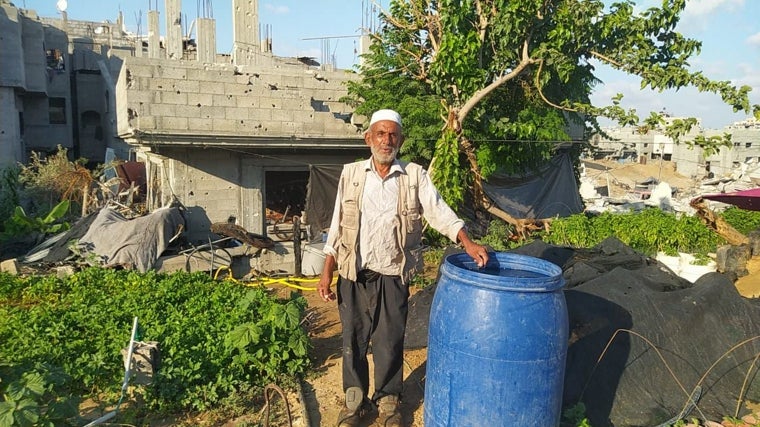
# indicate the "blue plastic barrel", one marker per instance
pixel 497 343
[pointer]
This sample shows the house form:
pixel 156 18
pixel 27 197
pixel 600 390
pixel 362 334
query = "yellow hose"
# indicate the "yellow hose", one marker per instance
pixel 289 281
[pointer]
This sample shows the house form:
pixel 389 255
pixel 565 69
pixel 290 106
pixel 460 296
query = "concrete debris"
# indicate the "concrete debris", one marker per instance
pixel 624 186
pixel 10 266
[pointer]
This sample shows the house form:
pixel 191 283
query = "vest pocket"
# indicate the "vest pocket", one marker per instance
pixel 413 220
pixel 344 255
pixel 349 219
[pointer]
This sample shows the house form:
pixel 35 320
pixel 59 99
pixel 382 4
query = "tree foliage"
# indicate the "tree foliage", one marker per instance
pixel 497 84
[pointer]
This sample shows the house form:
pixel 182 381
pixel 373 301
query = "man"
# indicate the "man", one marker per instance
pixel 375 243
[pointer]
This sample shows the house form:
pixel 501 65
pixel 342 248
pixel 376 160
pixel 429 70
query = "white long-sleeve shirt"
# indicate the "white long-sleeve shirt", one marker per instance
pixel 378 247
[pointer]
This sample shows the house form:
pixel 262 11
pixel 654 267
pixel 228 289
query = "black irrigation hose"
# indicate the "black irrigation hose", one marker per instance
pixel 190 252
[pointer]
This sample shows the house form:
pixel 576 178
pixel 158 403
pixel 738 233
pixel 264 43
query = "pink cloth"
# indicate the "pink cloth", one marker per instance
pixel 745 199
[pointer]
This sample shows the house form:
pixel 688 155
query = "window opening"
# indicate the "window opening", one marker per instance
pixel 57 111
pixel 54 59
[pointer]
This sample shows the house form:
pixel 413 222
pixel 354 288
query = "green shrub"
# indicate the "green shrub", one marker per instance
pixel 20 224
pixel 215 338
pixel 9 192
pixel 649 231
pixel 35 395
pixel 742 220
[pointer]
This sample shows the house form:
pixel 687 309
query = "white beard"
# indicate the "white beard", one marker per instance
pixel 382 157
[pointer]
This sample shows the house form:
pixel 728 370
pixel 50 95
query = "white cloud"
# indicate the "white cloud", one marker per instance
pixel 748 74
pixel 705 8
pixel 754 40
pixel 698 14
pixel 277 10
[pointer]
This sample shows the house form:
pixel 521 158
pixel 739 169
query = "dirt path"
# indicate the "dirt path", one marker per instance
pixel 323 391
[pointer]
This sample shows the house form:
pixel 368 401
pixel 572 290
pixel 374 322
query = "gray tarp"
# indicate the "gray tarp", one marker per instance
pixel 550 191
pixel 133 243
pixel 320 195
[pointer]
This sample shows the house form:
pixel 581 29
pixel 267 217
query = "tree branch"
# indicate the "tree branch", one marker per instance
pixel 541 92
pixel 607 59
pixel 479 95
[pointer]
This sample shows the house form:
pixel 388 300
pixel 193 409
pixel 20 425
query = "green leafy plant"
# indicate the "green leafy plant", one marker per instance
pixel 54 177
pixel 35 397
pixel 497 235
pixel 9 191
pixel 432 257
pixel 575 416
pixel 649 231
pixel 274 344
pixel 217 339
pixel 20 223
pixel 744 221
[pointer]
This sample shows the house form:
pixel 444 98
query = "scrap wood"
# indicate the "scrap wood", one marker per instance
pixel 237 232
pixel 717 223
pixel 523 226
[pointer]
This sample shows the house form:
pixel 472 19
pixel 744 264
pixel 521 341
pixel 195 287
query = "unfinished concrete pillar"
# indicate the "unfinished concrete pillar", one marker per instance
pixel 173 29
pixel 206 32
pixel 364 43
pixel 245 31
pixel 154 37
pixel 11 50
pixel 120 23
pixel 11 143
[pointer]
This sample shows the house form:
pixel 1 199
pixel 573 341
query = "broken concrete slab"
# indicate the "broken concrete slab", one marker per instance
pixel 10 266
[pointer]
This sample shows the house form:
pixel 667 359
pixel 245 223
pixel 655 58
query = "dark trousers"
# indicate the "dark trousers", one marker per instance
pixel 374 308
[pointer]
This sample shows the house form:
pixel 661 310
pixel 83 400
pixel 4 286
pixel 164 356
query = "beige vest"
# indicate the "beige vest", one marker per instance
pixel 409 212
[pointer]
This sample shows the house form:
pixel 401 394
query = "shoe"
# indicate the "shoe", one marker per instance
pixel 389 416
pixel 354 410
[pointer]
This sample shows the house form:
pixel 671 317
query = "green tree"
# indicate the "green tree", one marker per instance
pixel 495 84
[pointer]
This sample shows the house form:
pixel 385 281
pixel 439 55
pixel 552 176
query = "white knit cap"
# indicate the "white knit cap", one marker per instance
pixel 385 115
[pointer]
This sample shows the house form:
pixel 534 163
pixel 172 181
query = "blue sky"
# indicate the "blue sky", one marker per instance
pixel 729 31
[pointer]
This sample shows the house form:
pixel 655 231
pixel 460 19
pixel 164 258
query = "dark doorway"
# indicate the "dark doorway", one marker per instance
pixel 285 195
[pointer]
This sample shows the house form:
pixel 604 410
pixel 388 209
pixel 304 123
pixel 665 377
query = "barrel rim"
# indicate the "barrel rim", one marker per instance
pixel 551 279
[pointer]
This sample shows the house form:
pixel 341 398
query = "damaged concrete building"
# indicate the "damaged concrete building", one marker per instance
pixel 54 87
pixel 632 144
pixel 233 138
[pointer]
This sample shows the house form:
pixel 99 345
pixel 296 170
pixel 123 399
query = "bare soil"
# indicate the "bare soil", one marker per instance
pixel 622 177
pixel 323 392
pixel 749 285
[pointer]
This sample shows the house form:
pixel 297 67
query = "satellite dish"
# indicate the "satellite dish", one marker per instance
pixel 62 5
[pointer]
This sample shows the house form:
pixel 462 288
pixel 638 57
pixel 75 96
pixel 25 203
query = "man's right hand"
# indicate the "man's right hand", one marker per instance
pixel 325 280
pixel 324 288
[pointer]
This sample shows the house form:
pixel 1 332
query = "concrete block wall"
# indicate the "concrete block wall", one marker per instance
pixel 746 147
pixel 691 161
pixel 33 43
pixel 180 97
pixel 11 50
pixel 215 184
pixel 11 147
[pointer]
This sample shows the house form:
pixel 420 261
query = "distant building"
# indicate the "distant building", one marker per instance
pixel 642 145
pixel 35 86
